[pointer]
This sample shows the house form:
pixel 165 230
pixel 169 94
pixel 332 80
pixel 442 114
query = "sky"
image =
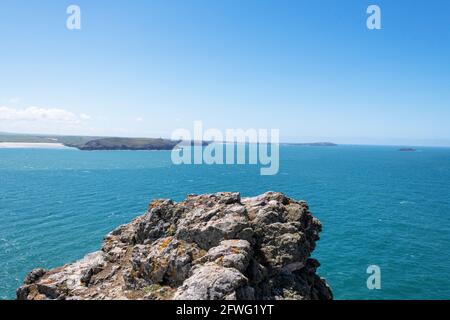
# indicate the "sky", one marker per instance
pixel 311 69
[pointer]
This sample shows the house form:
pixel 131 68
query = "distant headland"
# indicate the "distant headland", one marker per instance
pixel 314 144
pixel 90 143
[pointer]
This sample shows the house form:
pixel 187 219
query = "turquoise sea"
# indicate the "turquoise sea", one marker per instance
pixel 378 206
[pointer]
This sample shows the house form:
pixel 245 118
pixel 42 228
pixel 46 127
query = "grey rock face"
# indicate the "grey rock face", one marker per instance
pixel 211 282
pixel 230 254
pixel 213 246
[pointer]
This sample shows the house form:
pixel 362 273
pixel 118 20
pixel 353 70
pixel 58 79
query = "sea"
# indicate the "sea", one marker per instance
pixel 378 206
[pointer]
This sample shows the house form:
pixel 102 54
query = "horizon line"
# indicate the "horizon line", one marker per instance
pixel 281 142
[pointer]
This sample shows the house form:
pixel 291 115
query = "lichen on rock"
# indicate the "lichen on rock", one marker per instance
pixel 212 246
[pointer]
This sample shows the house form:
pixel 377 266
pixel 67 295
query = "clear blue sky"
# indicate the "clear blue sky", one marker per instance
pixel 310 68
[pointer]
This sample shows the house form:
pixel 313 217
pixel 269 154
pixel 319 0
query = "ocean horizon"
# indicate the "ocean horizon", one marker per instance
pixel 378 206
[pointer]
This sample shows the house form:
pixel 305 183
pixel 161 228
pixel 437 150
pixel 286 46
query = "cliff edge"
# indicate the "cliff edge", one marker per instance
pixel 214 246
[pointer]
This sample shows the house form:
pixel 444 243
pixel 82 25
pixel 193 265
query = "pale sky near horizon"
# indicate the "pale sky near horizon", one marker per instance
pixel 309 68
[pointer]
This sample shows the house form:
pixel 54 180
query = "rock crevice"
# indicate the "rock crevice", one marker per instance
pixel 213 246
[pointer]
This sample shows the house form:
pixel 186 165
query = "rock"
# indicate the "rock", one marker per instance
pixel 211 246
pixel 212 282
pixel 230 254
pixel 34 275
pixel 166 260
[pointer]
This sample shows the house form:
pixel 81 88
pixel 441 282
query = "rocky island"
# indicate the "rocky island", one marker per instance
pixel 207 247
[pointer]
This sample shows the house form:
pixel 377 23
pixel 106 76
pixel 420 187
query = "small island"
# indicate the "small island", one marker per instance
pixel 407 149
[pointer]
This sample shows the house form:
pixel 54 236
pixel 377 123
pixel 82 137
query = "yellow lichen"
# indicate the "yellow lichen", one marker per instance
pixel 235 250
pixel 165 243
pixel 219 260
pixel 155 203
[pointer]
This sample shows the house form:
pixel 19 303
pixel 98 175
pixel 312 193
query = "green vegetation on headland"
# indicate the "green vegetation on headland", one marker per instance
pixel 94 143
pixel 129 144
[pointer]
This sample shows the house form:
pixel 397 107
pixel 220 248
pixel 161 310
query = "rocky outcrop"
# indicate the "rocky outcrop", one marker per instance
pixel 215 246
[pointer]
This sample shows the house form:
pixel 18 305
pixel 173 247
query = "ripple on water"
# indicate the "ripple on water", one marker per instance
pixel 376 208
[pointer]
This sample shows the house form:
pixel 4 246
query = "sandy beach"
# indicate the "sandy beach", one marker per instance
pixel 28 145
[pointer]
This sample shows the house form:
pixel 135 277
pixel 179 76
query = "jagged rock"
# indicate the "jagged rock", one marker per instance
pixel 212 246
pixel 34 275
pixel 166 260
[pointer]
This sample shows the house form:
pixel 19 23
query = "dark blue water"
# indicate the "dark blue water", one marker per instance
pixel 378 206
